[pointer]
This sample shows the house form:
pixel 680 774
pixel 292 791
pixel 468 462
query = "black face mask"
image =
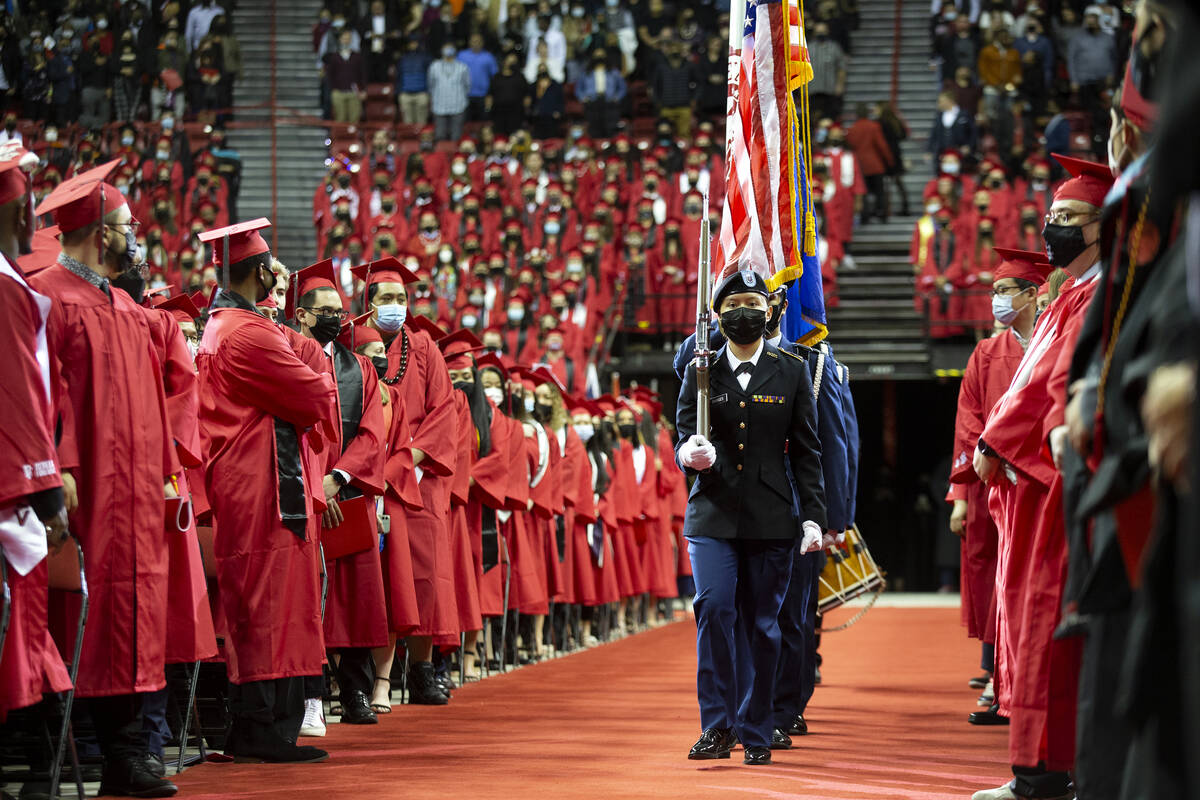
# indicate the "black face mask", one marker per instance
pixel 464 386
pixel 132 282
pixel 542 412
pixel 744 325
pixel 1064 243
pixel 266 290
pixel 776 314
pixel 627 430
pixel 381 366
pixel 326 329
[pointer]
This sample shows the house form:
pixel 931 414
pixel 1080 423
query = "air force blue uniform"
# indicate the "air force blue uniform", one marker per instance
pixel 743 519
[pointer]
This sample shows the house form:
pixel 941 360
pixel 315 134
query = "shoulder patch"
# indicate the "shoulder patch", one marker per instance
pixel 793 355
pixel 771 354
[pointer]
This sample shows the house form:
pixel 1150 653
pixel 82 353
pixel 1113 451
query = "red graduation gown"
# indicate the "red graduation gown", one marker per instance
pixel 491 489
pixel 463 549
pixel 529 546
pixel 30 664
pixel 116 441
pixel 401 493
pixel 1037 674
pixel 425 392
pixel 987 376
pixel 355 614
pixel 630 573
pixel 191 636
pixel 583 571
pixel 250 376
pixel 574 462
pixel 555 580
pixel 608 588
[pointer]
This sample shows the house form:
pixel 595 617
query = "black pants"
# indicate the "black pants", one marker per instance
pixel 355 671
pixel 476 108
pixel 795 678
pixel 265 712
pixel 118 722
pixel 1102 735
pixel 602 118
pixel 876 202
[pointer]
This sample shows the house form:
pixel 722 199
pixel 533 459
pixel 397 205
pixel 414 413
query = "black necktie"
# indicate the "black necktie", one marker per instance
pixel 744 368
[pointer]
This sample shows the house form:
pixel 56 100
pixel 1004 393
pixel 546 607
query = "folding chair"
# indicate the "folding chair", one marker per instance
pixel 66 574
pixel 204 540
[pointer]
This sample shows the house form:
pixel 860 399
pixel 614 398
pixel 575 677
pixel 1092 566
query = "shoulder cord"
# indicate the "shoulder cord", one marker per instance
pixel 820 373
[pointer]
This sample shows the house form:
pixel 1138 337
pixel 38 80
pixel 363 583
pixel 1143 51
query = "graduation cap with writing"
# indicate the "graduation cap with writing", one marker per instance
pixel 1089 181
pixel 311 278
pixel 235 243
pixel 80 201
pixel 181 307
pixel 457 348
pixel 1023 265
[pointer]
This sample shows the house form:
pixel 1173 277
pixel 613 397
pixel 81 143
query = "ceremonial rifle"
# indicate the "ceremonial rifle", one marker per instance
pixel 703 315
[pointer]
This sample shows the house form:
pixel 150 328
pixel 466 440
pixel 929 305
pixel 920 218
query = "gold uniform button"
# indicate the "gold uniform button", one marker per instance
pixel 741 425
pixel 739 467
pixel 742 404
pixel 741 447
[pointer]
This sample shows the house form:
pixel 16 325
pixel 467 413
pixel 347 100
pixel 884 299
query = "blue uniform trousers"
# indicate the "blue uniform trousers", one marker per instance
pixel 740 585
pixel 796 675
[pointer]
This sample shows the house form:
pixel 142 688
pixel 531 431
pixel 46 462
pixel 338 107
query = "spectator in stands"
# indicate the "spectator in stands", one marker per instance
pixel 673 86
pixel 828 85
pixel 995 19
pixel 895 130
pixel 601 89
pixel 953 128
pixel 547 106
pixel 999 72
pixel 1034 40
pixel 539 57
pixel 61 72
pixel 412 83
pixel 653 26
pixel 1091 60
pixel 967 91
pixel 379 33
pixel 35 91
pixel 222 37
pixel 714 76
pixel 509 99
pixel 449 85
pixel 205 81
pixel 870 147
pixel 440 31
pixel 481 67
pixel 958 48
pixel 199 20
pixel 347 76
pixel 96 82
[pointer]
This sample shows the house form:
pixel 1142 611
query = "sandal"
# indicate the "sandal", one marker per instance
pixel 384 706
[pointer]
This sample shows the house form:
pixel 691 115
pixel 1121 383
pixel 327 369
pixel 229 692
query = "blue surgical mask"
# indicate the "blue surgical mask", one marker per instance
pixel 551 228
pixel 529 404
pixel 585 430
pixel 390 317
pixel 1002 309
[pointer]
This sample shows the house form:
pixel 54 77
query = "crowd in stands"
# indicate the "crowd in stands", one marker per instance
pixel 549 166
pixel 1017 82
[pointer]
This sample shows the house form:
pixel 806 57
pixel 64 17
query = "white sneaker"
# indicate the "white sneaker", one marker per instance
pixel 314 718
pixel 989 695
pixel 1004 792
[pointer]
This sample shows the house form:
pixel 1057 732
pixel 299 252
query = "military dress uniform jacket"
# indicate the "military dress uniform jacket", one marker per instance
pixel 758 433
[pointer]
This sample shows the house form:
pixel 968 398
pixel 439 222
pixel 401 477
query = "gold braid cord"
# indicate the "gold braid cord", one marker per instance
pixel 1123 306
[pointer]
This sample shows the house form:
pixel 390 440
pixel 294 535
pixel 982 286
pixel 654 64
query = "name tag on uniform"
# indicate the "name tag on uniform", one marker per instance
pixel 773 399
pixel 721 398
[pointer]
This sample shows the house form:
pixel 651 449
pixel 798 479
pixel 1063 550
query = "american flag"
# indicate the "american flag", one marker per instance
pixel 763 223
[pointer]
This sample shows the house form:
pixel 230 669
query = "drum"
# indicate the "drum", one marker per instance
pixel 849 573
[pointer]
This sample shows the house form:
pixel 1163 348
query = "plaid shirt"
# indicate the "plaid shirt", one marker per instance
pixel 449 82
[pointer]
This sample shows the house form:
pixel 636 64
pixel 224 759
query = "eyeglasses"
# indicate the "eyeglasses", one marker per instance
pixel 1070 218
pixel 131 224
pixel 1006 291
pixel 327 312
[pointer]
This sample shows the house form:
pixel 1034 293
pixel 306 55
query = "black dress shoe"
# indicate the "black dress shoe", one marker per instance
pixel 132 778
pixel 713 743
pixel 799 727
pixel 356 710
pixel 990 717
pixel 280 753
pixel 423 688
pixel 780 740
pixel 757 756
pixel 979 682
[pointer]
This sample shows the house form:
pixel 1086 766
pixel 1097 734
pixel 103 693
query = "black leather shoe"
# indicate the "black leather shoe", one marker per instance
pixel 979 682
pixel 713 743
pixel 757 756
pixel 280 753
pixel 799 727
pixel 133 778
pixel 780 740
pixel 356 710
pixel 423 688
pixel 990 717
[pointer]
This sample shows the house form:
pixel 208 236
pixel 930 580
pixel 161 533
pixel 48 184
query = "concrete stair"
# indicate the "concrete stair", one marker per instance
pixel 284 190
pixel 876 330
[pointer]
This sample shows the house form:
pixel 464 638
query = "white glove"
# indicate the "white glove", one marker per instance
pixel 697 453
pixel 840 538
pixel 810 541
pixel 832 538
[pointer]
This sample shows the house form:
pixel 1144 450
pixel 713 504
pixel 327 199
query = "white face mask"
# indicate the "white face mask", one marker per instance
pixel 390 317
pixel 495 394
pixel 516 314
pixel 468 321
pixel 1002 309
pixel 529 404
pixel 585 430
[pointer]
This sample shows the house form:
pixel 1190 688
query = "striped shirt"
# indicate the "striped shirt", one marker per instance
pixel 827 61
pixel 449 82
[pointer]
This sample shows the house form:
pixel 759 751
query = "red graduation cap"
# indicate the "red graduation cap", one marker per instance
pixel 492 361
pixel 1022 265
pixel 16 164
pixel 383 270
pixel 417 322
pixel 240 241
pixel 1089 181
pixel 80 201
pixel 181 307
pixel 42 254
pixel 541 373
pixel 355 332
pixel 457 348
pixel 317 276
pixel 199 299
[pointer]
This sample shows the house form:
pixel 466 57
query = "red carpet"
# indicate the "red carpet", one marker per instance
pixel 617 721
